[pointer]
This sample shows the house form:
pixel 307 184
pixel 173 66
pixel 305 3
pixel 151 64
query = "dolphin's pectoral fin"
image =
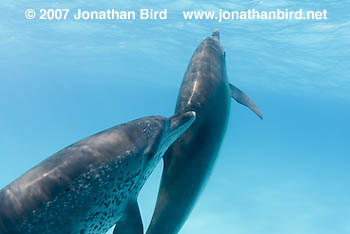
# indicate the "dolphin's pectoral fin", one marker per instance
pixel 131 222
pixel 243 99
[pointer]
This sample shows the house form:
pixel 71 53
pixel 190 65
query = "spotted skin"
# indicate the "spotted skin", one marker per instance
pixel 85 187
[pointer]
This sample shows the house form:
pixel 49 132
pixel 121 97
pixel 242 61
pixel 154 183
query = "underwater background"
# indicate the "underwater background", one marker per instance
pixel 61 81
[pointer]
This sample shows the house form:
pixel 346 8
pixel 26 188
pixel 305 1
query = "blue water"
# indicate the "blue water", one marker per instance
pixel 64 80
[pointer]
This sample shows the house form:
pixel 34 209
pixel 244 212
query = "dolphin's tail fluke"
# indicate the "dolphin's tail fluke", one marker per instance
pixel 243 99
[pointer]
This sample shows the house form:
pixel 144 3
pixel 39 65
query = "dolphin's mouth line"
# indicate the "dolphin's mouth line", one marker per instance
pixel 170 136
pixel 173 133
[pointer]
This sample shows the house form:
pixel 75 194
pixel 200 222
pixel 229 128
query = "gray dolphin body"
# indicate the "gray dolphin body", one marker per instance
pixel 189 161
pixel 93 184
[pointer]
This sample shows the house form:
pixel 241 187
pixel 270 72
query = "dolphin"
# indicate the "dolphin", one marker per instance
pixel 189 161
pixel 92 184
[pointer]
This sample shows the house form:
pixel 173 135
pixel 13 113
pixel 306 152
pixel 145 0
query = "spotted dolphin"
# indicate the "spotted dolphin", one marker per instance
pixel 188 162
pixel 93 184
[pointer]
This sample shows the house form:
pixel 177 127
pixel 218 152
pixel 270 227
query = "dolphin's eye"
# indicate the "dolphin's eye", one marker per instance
pixel 148 153
pixel 149 156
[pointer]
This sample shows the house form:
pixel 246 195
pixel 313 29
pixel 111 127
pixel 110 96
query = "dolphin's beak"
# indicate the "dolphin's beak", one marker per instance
pixel 178 124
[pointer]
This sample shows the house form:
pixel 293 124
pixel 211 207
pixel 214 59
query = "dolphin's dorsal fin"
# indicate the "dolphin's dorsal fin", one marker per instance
pixel 130 222
pixel 243 99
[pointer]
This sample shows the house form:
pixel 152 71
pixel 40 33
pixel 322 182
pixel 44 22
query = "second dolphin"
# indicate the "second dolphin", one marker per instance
pixel 189 161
